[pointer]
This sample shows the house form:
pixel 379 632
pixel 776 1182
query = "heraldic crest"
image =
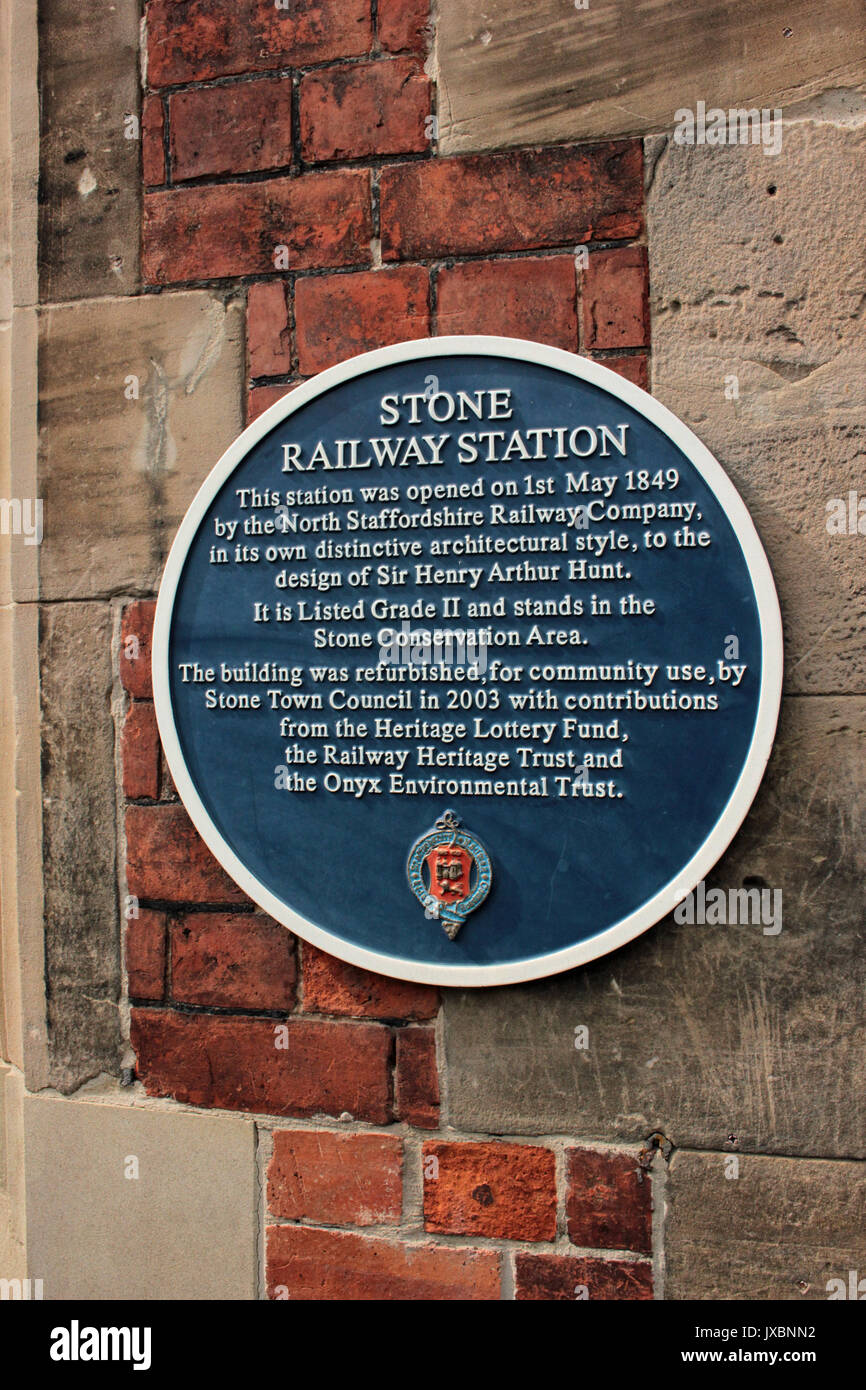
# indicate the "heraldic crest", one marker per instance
pixel 452 858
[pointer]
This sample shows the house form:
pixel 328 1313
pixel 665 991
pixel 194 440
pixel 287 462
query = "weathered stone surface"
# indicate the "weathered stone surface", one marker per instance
pixel 23 1034
pixel 82 932
pixel 5 1073
pixel 102 1227
pixel 758 286
pixel 703 1031
pixel 114 494
pixel 513 74
pixel 90 178
pixel 13 1255
pixel 781 1229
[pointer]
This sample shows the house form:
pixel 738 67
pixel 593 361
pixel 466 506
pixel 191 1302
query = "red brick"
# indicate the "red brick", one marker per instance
pixel 336 1179
pixel 562 1278
pixel 502 1190
pixel 512 202
pixel 608 1207
pixel 232 960
pixel 417 1078
pixel 261 398
pixel 231 130
pixel 141 751
pixel 534 299
pixel 167 789
pixel 268 338
pixel 332 986
pixel 404 24
pixel 209 233
pixel 136 636
pixel 337 316
pixel 200 39
pixel 634 369
pixel 311 1265
pixel 235 1064
pixel 152 147
pixel 365 109
pixel 167 860
pixel 145 954
pixel 616 298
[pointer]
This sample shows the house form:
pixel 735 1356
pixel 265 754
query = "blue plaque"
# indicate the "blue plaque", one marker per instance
pixel 467 661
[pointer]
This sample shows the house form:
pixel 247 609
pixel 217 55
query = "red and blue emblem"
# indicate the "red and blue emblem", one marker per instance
pixel 458 873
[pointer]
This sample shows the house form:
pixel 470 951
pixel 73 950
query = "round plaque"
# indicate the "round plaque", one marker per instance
pixel 467 661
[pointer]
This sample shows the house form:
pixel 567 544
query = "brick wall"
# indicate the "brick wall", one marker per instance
pixel 230 1011
pixel 298 156
pixel 290 156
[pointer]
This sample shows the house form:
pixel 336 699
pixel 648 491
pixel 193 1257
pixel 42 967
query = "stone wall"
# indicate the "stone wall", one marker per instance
pixel 235 197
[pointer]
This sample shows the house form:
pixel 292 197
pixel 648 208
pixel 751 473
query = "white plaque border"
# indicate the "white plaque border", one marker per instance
pixel 736 808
